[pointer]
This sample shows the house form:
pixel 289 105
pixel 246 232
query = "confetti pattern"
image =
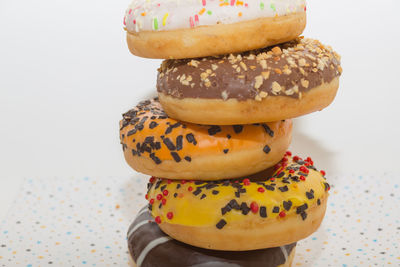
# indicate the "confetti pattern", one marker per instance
pixel 83 222
pixel 154 15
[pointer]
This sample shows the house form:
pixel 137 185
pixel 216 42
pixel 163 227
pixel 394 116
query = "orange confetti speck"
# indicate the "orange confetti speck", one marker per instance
pixel 14 252
pixel 240 14
pixel 143 14
pixel 308 250
pixel 347 254
pixel 117 206
pixel 93 251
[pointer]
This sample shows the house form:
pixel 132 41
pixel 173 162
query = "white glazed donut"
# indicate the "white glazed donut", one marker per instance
pixel 197 28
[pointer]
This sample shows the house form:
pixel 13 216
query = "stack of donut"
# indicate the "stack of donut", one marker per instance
pixel 224 189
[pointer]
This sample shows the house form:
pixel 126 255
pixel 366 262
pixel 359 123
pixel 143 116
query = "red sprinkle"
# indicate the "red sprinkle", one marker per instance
pixel 308 159
pixel 302 178
pixel 284 159
pixel 254 207
pixel 159 197
pixel 170 215
pixel 246 181
pixel 183 182
pixel 146 196
pixel 296 158
pixel 152 179
pixel 304 169
pixel 272 178
pixel 190 189
pixel 282 214
pixel 164 201
pixel 261 190
pixel 152 201
pixel 165 192
pixel 158 219
pixel 323 172
pixel 169 181
pixel 288 153
pixel 291 171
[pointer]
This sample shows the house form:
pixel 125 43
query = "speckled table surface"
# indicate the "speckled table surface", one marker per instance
pixel 81 221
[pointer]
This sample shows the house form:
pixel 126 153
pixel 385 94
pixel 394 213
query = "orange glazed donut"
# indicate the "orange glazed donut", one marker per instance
pixel 198 28
pixel 268 209
pixel 157 145
pixel 270 84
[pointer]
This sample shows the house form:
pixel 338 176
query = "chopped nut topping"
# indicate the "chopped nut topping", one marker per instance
pixel 277 51
pixel 263 94
pixel 193 63
pixel 259 81
pixel 224 95
pixel 263 64
pixel 276 88
pixel 305 83
pixel 265 74
pixel 244 67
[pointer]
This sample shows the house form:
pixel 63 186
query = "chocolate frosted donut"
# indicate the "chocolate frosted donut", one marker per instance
pixel 270 84
pixel 267 209
pixel 157 145
pixel 150 247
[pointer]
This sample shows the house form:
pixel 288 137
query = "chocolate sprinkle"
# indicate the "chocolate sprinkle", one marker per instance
pixel 155 158
pixel 221 224
pixel 268 130
pixel 275 209
pixel 188 159
pixel 283 188
pixel 176 157
pixel 238 128
pixel 169 144
pixel 153 125
pixel 303 215
pixel 310 195
pixel 179 142
pixel 266 149
pixel 214 130
pixel 301 208
pixel 190 138
pixel 287 204
pixel 263 212
pixel 244 208
pixel 226 151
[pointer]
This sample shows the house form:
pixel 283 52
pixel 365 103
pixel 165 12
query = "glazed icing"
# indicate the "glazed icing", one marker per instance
pixel 148 132
pixel 292 189
pixel 155 15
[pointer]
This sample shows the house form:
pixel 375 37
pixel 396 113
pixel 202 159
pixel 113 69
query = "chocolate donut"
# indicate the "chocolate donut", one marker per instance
pixel 160 146
pixel 150 247
pixel 263 85
pixel 267 209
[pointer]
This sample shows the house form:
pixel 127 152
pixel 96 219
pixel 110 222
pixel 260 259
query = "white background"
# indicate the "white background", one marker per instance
pixel 66 76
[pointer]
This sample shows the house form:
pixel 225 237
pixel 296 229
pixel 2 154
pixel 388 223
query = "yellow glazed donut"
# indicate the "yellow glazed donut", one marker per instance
pixel 268 209
pixel 198 28
pixel 269 84
pixel 157 145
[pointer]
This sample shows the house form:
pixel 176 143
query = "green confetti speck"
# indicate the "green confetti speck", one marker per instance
pixel 209 12
pixel 262 6
pixel 155 23
pixel 273 7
